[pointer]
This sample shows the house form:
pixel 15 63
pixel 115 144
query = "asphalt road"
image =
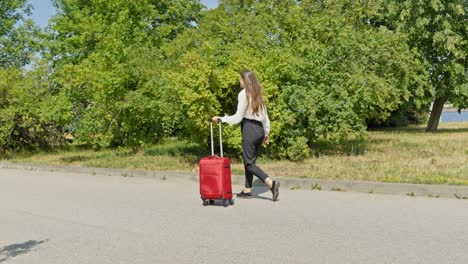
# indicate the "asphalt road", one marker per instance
pixel 51 217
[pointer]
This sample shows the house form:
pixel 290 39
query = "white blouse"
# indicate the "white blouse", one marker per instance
pixel 241 113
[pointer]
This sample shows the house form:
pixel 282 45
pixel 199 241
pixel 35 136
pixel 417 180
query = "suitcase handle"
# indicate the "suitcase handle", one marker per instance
pixel 214 157
pixel 220 139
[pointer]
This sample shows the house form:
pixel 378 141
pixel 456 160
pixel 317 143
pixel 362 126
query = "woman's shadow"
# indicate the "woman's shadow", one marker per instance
pixel 11 251
pixel 259 188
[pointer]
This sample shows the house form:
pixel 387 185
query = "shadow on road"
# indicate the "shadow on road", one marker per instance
pixel 11 251
pixel 260 188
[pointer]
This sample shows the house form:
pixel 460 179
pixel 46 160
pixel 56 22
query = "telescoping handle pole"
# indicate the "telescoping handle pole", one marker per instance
pixel 220 139
pixel 211 134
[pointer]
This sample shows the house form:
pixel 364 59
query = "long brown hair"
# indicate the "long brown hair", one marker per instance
pixel 253 90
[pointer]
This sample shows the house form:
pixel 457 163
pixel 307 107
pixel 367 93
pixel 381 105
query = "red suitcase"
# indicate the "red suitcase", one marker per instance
pixel 215 175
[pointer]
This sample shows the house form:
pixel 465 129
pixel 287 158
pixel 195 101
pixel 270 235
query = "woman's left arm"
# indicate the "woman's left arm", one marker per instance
pixel 266 127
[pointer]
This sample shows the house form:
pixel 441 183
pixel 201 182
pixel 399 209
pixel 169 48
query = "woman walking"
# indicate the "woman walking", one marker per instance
pixel 255 126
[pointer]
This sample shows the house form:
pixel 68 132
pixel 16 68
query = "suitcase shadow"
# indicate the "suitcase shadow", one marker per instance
pixel 218 203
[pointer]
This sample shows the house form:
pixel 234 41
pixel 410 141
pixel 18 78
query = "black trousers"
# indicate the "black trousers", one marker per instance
pixel 252 139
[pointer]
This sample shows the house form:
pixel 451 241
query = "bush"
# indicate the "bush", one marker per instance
pixel 321 83
pixel 32 114
pixel 298 149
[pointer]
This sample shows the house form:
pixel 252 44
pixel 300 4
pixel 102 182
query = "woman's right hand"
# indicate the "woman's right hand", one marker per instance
pixel 265 140
pixel 215 119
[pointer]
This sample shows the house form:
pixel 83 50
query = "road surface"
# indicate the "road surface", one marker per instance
pixel 51 217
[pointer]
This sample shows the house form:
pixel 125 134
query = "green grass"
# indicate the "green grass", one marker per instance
pixel 407 155
pixel 172 155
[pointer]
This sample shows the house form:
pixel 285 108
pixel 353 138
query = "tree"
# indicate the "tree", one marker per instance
pixel 106 59
pixel 18 37
pixel 32 114
pixel 27 118
pixel 324 69
pixel 438 30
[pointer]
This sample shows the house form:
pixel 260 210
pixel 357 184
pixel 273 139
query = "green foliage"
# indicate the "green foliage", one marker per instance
pixel 19 38
pixel 12 11
pixel 407 114
pixel 24 95
pixel 323 78
pixel 107 61
pixel 298 150
pixel 438 30
pixel 31 113
pixel 126 104
pixel 132 73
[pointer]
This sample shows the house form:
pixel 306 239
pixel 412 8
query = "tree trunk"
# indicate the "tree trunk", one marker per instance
pixel 433 123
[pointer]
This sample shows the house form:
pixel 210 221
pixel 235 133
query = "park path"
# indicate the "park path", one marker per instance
pixel 56 217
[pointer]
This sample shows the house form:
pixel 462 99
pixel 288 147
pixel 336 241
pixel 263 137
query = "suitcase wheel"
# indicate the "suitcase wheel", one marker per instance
pixel 226 203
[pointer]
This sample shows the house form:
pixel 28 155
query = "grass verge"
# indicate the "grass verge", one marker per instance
pixel 405 155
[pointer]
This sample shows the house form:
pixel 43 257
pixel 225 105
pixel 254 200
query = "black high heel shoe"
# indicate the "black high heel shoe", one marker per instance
pixel 275 190
pixel 244 195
